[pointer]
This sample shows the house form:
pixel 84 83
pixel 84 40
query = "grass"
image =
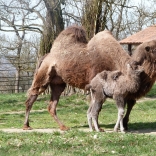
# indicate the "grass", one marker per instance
pixel 72 111
pixel 76 143
pixel 152 92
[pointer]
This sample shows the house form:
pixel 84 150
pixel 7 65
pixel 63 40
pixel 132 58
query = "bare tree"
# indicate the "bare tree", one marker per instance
pixel 14 20
pixel 49 17
pixel 121 17
pixel 53 24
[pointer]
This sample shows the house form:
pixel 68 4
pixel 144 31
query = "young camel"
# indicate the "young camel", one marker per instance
pixel 112 84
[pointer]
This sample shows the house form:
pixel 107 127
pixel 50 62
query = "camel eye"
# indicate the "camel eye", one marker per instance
pixel 93 90
pixel 147 48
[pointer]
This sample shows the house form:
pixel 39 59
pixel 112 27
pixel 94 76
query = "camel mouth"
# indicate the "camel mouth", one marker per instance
pixel 139 69
pixel 135 67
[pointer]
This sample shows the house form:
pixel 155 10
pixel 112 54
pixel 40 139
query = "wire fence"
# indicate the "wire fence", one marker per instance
pixel 9 80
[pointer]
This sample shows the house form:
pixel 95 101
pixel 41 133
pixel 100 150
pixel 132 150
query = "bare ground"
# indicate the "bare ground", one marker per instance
pixel 52 130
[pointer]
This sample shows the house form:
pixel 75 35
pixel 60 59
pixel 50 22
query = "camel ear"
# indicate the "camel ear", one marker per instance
pixel 103 75
pixel 147 48
pixel 116 75
pixel 88 87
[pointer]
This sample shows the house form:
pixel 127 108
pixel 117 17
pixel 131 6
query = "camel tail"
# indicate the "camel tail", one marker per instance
pixel 28 93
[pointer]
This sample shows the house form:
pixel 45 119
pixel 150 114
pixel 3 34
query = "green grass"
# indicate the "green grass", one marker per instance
pixel 76 143
pixel 15 102
pixel 152 92
pixel 72 112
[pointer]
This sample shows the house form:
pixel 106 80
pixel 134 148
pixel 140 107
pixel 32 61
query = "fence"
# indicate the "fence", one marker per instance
pixel 8 78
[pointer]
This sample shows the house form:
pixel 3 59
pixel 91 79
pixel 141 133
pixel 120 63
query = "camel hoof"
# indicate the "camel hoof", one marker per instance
pixel 27 128
pixel 123 131
pixel 125 124
pixel 126 128
pixel 115 129
pixel 64 128
pixel 101 130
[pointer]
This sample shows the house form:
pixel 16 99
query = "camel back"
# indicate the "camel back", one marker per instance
pixel 69 43
pixel 75 33
pixel 111 51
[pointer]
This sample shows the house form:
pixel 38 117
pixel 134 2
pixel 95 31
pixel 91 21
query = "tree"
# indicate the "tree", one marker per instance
pixel 53 24
pixel 15 19
pixel 48 18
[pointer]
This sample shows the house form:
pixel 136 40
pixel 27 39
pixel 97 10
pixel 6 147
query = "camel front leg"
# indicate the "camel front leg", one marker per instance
pixel 56 92
pixel 120 120
pixel 28 103
pixel 130 104
pixel 120 105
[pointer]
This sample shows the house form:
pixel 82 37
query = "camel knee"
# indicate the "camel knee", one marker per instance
pixel 30 101
pixel 121 112
pixel 51 110
pixel 92 114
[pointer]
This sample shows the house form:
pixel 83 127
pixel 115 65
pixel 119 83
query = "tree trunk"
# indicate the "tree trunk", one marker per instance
pixel 92 17
pixel 54 25
pixel 17 81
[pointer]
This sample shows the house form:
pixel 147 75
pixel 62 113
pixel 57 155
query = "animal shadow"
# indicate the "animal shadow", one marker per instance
pixel 137 127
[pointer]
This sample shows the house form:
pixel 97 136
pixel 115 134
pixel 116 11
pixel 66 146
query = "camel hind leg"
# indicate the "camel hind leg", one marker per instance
pixel 93 114
pixel 57 89
pixel 37 88
pixel 29 103
pixel 33 94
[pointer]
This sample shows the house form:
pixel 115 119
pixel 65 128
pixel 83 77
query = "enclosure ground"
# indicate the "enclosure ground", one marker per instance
pixel 52 130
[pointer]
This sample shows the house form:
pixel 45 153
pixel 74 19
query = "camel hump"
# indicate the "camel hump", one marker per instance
pixel 78 32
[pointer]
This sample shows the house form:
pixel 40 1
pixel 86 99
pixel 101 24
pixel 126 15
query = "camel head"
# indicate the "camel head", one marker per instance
pixel 145 51
pixel 150 48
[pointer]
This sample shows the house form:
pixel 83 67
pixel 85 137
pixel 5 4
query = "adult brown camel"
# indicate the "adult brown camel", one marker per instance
pixel 74 61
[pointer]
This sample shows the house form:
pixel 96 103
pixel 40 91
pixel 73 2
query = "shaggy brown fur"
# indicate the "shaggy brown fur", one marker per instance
pixel 73 61
pixel 115 85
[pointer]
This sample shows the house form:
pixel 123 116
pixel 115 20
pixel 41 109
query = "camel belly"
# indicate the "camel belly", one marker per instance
pixel 75 77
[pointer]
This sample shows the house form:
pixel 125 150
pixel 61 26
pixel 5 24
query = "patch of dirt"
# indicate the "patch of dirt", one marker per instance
pixel 145 131
pixel 16 130
pixel 52 130
pixel 22 112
